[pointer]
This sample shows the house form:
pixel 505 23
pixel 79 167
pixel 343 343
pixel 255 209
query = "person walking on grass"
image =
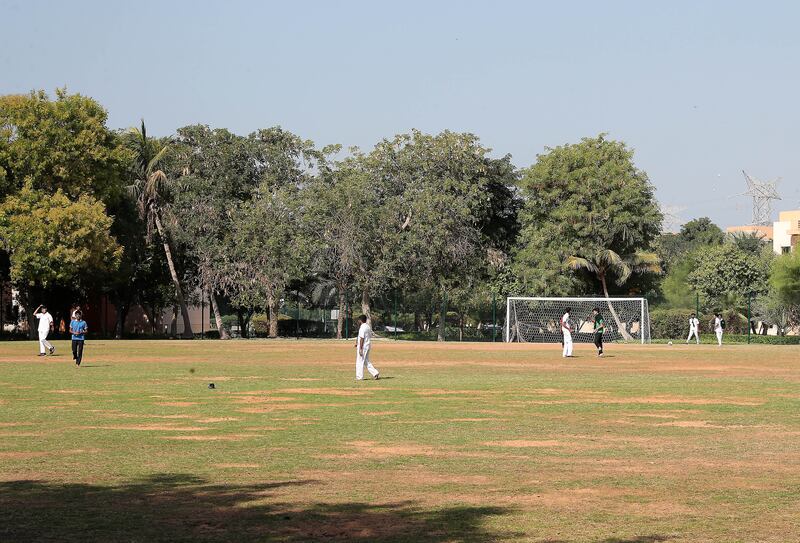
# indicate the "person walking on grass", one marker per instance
pixel 599 330
pixel 45 327
pixel 694 329
pixel 78 329
pixel 363 344
pixel 566 331
pixel 719 327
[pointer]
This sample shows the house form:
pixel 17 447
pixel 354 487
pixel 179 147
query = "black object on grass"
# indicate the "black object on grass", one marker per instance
pixel 211 386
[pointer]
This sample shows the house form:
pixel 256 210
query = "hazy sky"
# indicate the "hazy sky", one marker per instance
pixel 700 89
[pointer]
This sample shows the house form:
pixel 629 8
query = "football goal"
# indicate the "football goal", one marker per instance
pixel 537 320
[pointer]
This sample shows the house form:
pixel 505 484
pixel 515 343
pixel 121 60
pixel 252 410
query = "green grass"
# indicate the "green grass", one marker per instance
pixel 460 442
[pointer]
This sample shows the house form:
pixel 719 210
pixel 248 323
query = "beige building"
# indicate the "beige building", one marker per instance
pixel 786 232
pixel 765 232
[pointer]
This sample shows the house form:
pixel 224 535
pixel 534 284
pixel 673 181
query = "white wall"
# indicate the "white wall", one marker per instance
pixel 781 237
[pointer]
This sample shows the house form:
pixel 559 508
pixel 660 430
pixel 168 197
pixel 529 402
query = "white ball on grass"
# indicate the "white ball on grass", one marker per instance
pixel 670 343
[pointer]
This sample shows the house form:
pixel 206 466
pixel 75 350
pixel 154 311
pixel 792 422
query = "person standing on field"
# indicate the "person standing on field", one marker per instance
pixel 566 331
pixel 694 329
pixel 78 329
pixel 363 344
pixel 45 327
pixel 719 327
pixel 599 330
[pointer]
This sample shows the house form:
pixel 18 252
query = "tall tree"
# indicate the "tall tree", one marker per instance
pixel 215 171
pixel 587 207
pixel 434 189
pixel 58 144
pixel 55 242
pixel 151 192
pixel 724 274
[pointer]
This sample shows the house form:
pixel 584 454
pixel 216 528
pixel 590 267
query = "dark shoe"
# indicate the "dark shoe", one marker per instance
pixel 41 354
pixel 377 376
pixel 52 350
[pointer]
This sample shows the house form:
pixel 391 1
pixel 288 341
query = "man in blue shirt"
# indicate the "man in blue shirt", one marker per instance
pixel 78 329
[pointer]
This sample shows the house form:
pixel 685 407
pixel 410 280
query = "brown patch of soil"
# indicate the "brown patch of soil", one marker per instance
pixel 484 419
pixel 22 434
pixel 11 424
pixel 232 437
pixel 262 399
pixel 446 392
pixel 324 391
pixel 380 413
pixel 216 419
pixel 146 428
pixel 522 443
pixel 176 404
pixel 22 455
pixel 300 379
pixel 236 466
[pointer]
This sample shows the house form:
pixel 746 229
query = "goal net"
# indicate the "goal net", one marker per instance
pixel 537 320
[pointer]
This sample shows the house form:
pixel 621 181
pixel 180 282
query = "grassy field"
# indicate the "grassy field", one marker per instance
pixel 459 442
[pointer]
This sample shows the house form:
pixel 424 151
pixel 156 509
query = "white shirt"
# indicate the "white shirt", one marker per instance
pixel 694 323
pixel 365 333
pixel 565 324
pixel 45 320
pixel 717 324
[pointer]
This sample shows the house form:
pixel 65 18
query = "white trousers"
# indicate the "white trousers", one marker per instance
pixel 695 334
pixel 719 337
pixel 362 362
pixel 44 345
pixel 567 343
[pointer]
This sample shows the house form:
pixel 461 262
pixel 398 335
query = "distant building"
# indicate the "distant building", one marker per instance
pixel 786 232
pixel 765 232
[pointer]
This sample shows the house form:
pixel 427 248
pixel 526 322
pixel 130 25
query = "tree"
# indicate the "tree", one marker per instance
pixel 60 144
pixel 269 249
pixel 700 232
pixel 750 242
pixel 785 278
pixel 725 274
pixel 214 171
pixel 345 209
pixel 150 190
pixel 54 242
pixel 434 192
pixel 587 207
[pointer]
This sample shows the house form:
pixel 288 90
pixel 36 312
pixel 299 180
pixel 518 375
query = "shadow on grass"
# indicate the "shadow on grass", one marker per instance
pixel 634 539
pixel 173 507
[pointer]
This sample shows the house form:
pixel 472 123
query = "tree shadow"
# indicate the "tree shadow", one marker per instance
pixel 177 507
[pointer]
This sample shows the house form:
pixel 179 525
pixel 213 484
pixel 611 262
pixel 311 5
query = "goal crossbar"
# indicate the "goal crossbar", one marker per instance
pixel 537 318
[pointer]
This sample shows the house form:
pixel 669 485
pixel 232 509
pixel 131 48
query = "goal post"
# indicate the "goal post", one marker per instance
pixel 537 319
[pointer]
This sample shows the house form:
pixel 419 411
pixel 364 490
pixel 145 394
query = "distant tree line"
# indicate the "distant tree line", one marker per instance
pixel 243 219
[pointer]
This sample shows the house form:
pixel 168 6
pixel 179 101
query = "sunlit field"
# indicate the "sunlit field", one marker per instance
pixel 456 442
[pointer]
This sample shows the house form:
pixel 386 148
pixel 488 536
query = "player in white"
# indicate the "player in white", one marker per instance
pixel 566 331
pixel 363 344
pixel 719 326
pixel 45 327
pixel 694 329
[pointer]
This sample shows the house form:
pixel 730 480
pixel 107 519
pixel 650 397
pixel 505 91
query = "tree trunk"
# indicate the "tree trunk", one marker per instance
pixel 122 316
pixel 340 315
pixel 440 336
pixel 365 306
pixel 223 332
pixel 187 324
pixel 272 304
pixel 460 327
pixel 625 335
pixel 417 324
pixel 173 324
pixel 240 320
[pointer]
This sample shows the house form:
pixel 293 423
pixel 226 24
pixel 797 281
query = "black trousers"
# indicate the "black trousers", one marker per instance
pixel 77 350
pixel 598 341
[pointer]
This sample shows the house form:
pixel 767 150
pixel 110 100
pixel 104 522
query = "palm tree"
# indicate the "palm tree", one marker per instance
pixel 607 262
pixel 148 188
